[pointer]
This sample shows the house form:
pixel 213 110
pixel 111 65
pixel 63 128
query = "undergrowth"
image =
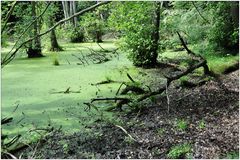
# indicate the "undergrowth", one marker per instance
pixel 179 151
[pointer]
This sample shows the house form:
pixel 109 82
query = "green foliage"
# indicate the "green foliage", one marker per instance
pixel 55 60
pixel 160 131
pixel 135 21
pixel 214 30
pixel 218 63
pixel 94 24
pixel 153 98
pixel 202 124
pixel 181 124
pixel 232 155
pixel 179 151
pixel 222 34
pixel 76 35
pixel 184 79
pixel 65 148
pixel 4 38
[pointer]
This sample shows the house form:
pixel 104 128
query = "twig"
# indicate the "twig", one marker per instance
pixel 168 101
pixel 105 82
pixel 67 61
pixel 15 108
pixel 183 97
pixel 120 88
pixel 126 133
pixel 11 155
pixel 102 48
pixel 6 120
pixel 130 78
pixel 108 99
pixel 79 59
pixel 15 139
pixel 20 119
pixel 35 150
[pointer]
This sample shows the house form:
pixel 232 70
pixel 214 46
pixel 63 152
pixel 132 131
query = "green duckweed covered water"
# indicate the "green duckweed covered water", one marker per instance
pixel 32 82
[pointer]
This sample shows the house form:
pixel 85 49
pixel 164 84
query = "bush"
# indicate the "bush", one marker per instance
pixel 222 33
pixel 232 155
pixel 76 35
pixel 135 21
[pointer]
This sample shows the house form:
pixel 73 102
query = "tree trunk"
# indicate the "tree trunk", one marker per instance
pixel 65 10
pixel 98 37
pixel 98 32
pixel 74 11
pixel 35 48
pixel 54 43
pixel 234 11
pixel 155 36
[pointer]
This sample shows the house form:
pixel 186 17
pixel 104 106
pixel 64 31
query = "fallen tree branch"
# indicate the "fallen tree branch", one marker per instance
pixel 15 108
pixel 108 99
pixel 146 94
pixel 106 82
pixel 204 65
pixel 189 84
pixel 6 120
pixel 128 75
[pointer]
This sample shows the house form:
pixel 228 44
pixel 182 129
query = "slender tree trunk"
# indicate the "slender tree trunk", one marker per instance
pixel 98 36
pixel 234 12
pixel 65 10
pixel 155 36
pixel 35 48
pixel 74 11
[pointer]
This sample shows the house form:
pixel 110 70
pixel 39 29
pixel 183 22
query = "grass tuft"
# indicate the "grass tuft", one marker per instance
pixel 179 151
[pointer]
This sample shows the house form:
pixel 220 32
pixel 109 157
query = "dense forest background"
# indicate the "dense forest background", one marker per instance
pixel 94 69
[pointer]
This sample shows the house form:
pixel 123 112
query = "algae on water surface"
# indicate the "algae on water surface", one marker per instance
pixel 32 84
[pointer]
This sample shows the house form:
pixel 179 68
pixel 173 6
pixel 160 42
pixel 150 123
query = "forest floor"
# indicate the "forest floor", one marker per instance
pixel 203 122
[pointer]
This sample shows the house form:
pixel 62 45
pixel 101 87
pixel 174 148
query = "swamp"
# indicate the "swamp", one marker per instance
pixel 120 80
